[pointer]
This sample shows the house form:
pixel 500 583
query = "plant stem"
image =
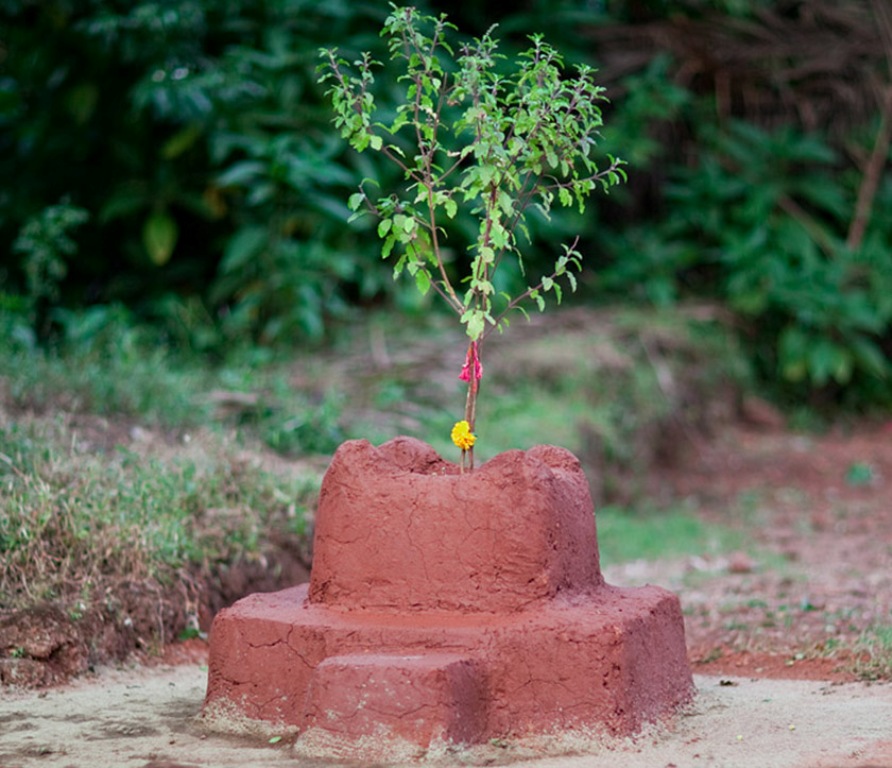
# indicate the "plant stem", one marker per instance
pixel 471 400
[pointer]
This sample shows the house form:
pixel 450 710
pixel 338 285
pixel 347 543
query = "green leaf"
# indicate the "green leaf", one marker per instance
pixel 243 246
pixel 241 173
pixel 182 141
pixel 359 141
pixel 827 360
pixel 506 203
pixel 537 297
pixel 422 281
pixel 869 357
pixel 498 235
pixel 792 350
pixel 474 321
pixel 402 225
pixel 159 236
pixel 384 227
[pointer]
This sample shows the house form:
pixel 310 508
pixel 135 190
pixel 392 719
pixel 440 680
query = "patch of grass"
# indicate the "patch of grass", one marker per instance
pixel 655 534
pixel 105 364
pixel 73 518
pixel 873 652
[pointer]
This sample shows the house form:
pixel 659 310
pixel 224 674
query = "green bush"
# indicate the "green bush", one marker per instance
pixel 192 134
pixel 761 220
pixel 44 242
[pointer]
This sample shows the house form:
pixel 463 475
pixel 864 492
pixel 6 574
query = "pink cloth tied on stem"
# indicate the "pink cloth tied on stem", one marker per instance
pixel 472 361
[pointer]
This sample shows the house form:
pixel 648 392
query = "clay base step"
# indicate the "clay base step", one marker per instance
pixel 421 698
pixel 610 660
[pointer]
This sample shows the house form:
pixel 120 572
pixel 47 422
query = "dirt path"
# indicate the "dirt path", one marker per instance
pixel 148 717
pixel 812 595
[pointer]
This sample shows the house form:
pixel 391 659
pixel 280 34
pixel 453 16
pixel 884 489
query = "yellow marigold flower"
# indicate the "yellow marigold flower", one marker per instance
pixel 462 435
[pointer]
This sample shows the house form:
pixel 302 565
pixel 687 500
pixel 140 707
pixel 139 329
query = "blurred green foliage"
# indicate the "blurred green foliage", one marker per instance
pixel 193 133
pixel 178 158
pixel 760 222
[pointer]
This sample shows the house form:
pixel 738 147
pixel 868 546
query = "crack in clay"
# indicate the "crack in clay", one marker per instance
pixel 296 650
pixel 263 704
pixel 273 644
pixel 402 715
pixel 341 541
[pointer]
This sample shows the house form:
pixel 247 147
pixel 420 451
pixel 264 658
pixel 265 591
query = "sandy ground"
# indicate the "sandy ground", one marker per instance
pixel 146 717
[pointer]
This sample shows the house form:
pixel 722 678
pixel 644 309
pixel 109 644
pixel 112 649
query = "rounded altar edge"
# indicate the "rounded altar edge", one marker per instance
pixel 398 528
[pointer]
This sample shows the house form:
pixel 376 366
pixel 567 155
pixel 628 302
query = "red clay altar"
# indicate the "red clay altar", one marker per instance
pixel 451 608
